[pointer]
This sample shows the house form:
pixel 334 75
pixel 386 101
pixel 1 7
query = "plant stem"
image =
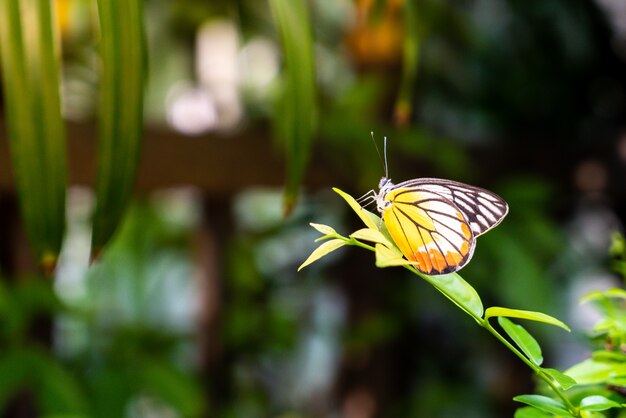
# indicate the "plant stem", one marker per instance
pixel 485 324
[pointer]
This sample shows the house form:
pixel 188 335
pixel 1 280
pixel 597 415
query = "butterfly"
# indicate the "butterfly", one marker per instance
pixel 435 222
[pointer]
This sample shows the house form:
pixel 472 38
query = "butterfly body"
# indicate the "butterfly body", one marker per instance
pixel 435 222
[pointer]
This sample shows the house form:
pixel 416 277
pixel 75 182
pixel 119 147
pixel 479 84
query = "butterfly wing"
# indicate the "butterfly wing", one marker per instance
pixel 482 209
pixel 435 222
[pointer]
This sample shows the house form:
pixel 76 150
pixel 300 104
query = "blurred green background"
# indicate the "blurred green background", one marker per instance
pixel 253 109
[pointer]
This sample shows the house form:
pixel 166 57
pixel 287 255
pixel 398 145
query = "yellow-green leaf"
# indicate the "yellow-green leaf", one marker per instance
pixel 598 403
pixel 386 257
pixel 496 311
pixel 324 229
pixel 368 218
pixel 322 250
pixel 372 235
pixel 615 293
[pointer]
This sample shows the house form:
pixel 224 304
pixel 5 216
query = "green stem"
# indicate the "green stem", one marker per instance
pixel 352 241
pixel 485 324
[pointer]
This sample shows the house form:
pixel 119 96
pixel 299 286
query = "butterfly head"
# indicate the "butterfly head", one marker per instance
pixel 385 185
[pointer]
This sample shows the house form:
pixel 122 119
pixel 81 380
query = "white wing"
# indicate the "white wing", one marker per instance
pixel 483 209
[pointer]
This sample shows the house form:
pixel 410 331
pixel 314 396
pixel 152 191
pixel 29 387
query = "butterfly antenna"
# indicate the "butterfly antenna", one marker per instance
pixel 380 157
pixel 385 152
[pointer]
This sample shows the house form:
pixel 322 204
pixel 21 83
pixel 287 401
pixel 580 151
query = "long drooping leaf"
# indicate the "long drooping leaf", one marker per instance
pixel 411 54
pixel 30 68
pixel 122 50
pixel 296 114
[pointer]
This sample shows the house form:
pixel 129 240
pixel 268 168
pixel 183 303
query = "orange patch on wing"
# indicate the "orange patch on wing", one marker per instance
pixel 464 247
pixel 437 260
pixel 424 262
pixel 453 259
pixel 466 231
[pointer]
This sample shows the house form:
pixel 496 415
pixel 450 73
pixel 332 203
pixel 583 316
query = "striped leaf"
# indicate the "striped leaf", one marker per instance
pixel 122 50
pixel 30 68
pixel 296 114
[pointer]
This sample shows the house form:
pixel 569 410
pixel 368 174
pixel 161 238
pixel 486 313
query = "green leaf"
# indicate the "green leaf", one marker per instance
pixel 545 404
pixel 56 390
pixel 495 311
pixel 59 391
pixel 296 114
pixel 324 229
pixel 562 379
pixel 322 250
pixel 615 293
pixel 523 340
pixel 15 369
pixel 415 32
pixel 30 61
pixel 386 257
pixel 368 218
pixel 591 371
pixel 372 235
pixel 178 389
pixel 123 58
pixel 604 325
pixel 457 290
pixel 617 381
pixel 530 412
pixel 597 403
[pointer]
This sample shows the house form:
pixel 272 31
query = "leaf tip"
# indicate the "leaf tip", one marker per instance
pixel 289 203
pixel 49 263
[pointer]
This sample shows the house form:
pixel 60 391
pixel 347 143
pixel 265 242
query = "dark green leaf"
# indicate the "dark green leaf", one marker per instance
pixel 122 51
pixel 59 392
pixel 172 386
pixel 523 340
pixel 15 370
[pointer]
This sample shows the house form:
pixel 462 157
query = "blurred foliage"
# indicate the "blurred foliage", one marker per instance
pixel 505 94
pixel 28 45
pixel 601 378
pixel 122 49
pixel 120 346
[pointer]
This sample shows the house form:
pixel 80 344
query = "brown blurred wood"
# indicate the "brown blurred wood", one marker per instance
pixel 219 165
